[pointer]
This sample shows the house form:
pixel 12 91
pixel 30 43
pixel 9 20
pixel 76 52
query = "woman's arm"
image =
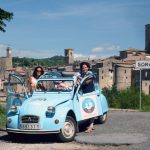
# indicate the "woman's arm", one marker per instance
pixel 28 84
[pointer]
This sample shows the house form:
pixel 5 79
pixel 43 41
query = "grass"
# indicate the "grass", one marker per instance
pixel 2 116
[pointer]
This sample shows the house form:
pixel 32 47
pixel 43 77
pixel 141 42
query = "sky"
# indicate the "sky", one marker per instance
pixel 93 28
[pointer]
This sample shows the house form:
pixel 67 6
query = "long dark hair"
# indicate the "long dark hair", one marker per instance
pixel 35 72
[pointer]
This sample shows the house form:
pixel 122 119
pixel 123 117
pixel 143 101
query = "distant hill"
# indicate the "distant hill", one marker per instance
pixel 45 62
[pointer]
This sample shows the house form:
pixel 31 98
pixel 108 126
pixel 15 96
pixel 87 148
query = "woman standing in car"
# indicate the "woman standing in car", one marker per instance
pixel 32 81
pixel 87 87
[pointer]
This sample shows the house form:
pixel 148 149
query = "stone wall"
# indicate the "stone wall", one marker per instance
pixel 69 56
pixel 123 74
pixel 146 86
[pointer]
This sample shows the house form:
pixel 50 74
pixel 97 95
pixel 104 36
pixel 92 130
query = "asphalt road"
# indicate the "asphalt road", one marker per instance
pixel 122 131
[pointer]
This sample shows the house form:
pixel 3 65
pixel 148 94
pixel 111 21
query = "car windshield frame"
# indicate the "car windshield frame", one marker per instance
pixel 55 85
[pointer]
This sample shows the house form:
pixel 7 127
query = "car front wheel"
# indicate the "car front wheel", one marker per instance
pixel 68 131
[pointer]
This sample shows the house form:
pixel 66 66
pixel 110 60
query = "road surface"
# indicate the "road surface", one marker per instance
pixel 122 131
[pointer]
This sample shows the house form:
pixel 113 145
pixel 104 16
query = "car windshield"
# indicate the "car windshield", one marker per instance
pixel 54 86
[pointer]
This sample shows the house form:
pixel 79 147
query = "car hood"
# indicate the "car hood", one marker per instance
pixel 39 103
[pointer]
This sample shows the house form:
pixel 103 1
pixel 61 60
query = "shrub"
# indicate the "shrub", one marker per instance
pixel 127 99
pixel 2 109
pixel 2 117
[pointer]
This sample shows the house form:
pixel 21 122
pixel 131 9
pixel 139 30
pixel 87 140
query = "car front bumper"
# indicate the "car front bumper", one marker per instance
pixel 19 131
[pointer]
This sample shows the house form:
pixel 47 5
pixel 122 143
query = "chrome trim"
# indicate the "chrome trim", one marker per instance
pixel 9 130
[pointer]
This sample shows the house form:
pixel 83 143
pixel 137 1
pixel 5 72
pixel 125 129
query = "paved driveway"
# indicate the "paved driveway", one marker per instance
pixel 130 129
pixel 122 131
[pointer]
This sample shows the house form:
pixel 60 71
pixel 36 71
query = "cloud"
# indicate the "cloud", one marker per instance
pixel 106 47
pixel 105 50
pixel 80 56
pixel 3 46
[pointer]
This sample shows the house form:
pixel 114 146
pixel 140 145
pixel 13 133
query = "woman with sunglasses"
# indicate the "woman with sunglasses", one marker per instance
pixel 32 81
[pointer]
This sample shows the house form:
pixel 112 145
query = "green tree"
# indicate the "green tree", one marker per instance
pixel 4 15
pixel 45 62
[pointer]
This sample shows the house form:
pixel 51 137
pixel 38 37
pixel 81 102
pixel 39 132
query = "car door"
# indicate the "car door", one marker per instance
pixel 16 91
pixel 86 105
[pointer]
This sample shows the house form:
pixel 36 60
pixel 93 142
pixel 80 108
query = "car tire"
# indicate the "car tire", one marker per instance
pixel 68 131
pixel 102 119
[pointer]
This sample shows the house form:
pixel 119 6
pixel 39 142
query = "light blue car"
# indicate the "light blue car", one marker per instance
pixel 57 105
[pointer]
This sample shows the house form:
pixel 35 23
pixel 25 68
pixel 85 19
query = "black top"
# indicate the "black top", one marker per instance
pixel 87 88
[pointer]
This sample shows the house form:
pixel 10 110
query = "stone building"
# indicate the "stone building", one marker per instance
pixel 146 87
pixel 6 62
pixel 5 65
pixel 123 75
pixel 6 68
pixel 132 54
pixel 120 71
pixel 69 59
pixel 130 76
pixel 69 56
pixel 105 72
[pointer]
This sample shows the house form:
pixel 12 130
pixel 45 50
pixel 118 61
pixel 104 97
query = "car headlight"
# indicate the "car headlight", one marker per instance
pixel 13 108
pixel 9 120
pixel 51 109
pixel 17 102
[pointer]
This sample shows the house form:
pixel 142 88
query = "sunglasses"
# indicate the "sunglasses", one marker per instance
pixel 38 70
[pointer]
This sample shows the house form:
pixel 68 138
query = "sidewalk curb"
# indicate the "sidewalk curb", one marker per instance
pixel 4 130
pixel 125 110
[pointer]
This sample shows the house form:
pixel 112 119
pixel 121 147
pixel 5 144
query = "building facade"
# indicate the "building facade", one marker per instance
pixel 69 56
pixel 6 62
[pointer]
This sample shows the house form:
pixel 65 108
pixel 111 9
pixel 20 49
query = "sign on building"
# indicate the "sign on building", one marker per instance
pixel 142 64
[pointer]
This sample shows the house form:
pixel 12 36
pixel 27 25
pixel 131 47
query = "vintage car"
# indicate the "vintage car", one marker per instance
pixel 57 105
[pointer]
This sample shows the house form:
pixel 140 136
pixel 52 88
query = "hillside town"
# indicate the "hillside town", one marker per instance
pixel 119 71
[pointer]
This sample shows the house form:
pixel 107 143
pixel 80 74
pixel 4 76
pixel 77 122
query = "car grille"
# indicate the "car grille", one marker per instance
pixel 29 119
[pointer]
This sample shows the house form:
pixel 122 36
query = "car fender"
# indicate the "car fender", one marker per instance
pixel 62 111
pixel 104 103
